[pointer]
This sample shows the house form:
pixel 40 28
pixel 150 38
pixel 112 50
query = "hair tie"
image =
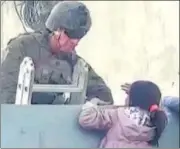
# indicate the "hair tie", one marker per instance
pixel 154 108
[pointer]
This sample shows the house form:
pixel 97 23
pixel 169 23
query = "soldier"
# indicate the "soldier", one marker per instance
pixel 53 53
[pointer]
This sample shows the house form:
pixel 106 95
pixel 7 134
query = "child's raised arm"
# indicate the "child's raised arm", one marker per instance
pixel 95 117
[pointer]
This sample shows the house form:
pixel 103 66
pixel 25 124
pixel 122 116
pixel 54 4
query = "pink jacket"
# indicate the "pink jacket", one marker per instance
pixel 127 127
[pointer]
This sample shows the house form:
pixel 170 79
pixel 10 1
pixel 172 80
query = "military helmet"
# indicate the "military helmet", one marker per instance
pixel 71 16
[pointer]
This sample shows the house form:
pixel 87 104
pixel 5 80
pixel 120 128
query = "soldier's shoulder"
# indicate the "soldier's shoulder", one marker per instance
pixel 25 38
pixel 85 62
pixel 80 58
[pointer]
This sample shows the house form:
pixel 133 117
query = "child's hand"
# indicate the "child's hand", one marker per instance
pixel 87 105
pixel 126 87
pixel 94 102
pixel 97 101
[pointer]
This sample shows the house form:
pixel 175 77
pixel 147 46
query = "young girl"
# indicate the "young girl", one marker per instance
pixel 139 125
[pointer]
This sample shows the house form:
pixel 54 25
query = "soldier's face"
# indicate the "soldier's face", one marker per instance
pixel 64 43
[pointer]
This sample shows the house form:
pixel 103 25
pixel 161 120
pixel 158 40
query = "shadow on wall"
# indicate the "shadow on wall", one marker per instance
pixel 125 43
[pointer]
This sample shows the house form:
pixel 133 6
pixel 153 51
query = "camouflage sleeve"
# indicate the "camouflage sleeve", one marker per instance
pixel 10 71
pixel 97 87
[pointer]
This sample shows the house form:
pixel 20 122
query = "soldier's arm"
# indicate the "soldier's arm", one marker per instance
pixel 10 71
pixel 98 88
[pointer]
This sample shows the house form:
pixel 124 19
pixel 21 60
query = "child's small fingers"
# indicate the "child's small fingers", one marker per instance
pixel 124 88
pixel 125 85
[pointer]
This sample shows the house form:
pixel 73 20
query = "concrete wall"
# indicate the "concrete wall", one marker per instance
pixel 128 41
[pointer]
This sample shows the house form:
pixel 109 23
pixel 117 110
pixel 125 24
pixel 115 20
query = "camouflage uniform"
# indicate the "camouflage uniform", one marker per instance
pixel 49 68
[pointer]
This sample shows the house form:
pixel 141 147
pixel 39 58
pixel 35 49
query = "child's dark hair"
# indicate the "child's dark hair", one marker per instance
pixel 146 94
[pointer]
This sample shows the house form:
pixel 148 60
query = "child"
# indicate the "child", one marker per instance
pixel 139 125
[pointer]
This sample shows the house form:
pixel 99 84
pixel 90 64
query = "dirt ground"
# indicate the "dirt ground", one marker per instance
pixel 129 40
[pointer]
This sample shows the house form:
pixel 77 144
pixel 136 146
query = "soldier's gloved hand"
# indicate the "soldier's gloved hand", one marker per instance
pixel 97 101
pixel 126 87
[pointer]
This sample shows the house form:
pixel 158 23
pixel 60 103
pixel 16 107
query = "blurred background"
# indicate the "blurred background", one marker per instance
pixel 129 40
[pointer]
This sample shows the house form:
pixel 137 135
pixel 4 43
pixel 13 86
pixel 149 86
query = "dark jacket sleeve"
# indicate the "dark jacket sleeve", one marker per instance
pixel 97 87
pixel 10 71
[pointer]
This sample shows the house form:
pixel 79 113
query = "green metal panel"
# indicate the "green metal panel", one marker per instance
pixel 170 136
pixel 41 126
pixel 56 126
